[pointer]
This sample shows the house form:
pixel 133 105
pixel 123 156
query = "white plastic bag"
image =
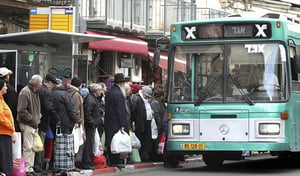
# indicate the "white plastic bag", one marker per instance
pixel 97 148
pixel 121 143
pixel 135 142
pixel 16 145
pixel 154 131
pixel 79 138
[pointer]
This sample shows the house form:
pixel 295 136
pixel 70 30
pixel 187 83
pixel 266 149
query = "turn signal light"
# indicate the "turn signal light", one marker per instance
pixel 169 116
pixel 278 24
pixel 284 115
pixel 174 28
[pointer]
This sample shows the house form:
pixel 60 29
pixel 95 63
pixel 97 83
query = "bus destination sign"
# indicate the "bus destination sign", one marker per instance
pixel 226 31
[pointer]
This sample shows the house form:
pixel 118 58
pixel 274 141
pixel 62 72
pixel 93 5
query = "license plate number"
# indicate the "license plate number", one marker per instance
pixel 193 146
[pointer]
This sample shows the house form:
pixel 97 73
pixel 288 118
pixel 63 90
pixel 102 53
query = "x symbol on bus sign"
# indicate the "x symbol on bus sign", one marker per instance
pixel 190 31
pixel 261 30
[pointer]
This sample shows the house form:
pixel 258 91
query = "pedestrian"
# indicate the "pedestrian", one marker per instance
pixel 48 113
pixel 73 89
pixel 159 110
pixel 6 131
pixel 141 114
pixel 92 120
pixel 11 97
pixel 101 100
pixel 28 116
pixel 115 118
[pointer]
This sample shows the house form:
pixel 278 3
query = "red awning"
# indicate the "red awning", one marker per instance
pixel 180 64
pixel 120 44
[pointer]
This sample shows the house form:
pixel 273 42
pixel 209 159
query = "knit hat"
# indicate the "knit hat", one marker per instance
pixel 2 82
pixel 135 88
pixel 147 91
pixel 76 82
pixel 84 91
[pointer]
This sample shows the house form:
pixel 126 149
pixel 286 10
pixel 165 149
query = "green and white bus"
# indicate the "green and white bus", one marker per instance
pixel 233 86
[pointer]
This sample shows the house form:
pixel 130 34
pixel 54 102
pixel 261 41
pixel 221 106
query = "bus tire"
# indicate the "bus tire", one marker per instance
pixel 213 159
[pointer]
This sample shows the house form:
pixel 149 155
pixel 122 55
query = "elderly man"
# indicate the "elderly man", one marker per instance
pixel 28 116
pixel 115 115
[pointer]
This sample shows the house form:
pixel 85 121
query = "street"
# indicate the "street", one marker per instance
pixel 257 165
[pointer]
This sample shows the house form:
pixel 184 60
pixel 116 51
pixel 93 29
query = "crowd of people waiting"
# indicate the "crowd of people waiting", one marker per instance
pixel 46 102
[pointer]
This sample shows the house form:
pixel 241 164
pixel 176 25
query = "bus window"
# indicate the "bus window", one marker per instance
pixel 251 70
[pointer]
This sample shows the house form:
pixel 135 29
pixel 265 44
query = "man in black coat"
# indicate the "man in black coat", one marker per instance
pixel 115 115
pixel 92 120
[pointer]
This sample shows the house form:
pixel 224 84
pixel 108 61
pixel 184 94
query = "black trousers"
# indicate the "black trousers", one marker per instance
pixel 87 157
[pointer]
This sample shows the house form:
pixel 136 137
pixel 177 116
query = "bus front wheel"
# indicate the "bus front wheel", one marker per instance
pixel 213 159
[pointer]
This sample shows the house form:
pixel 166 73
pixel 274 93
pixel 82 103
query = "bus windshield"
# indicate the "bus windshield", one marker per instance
pixel 248 72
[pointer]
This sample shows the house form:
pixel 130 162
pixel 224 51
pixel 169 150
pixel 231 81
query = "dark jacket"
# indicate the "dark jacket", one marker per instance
pixel 115 113
pixel 47 109
pixel 159 113
pixel 138 112
pixel 91 108
pixel 64 107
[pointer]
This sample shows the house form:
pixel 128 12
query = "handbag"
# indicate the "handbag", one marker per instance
pixel 38 144
pixel 18 167
pixel 154 130
pixel 121 143
pixel 135 142
pixel 64 151
pixel 161 144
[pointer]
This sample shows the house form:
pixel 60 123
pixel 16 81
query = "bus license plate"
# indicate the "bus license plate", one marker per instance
pixel 193 146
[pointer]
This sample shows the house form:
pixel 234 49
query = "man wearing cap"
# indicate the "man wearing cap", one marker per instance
pixel 141 114
pixel 115 117
pixel 10 97
pixel 48 114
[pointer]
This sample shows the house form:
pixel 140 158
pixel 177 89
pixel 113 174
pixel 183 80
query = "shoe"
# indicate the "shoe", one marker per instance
pixel 76 169
pixel 119 166
pixel 32 174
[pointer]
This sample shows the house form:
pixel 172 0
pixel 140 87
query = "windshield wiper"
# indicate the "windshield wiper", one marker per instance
pixel 242 92
pixel 212 85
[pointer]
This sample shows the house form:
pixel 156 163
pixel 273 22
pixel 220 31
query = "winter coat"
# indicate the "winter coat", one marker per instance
pixel 29 108
pixel 78 101
pixel 91 107
pixel 159 113
pixel 138 112
pixel 64 107
pixel 115 113
pixel 47 109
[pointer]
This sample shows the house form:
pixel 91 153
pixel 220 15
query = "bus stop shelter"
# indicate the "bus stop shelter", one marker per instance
pixel 44 51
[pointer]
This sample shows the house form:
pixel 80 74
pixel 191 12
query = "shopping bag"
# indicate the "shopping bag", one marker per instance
pixel 97 148
pixel 135 142
pixel 49 134
pixel 154 131
pixel 38 144
pixel 135 156
pixel 161 144
pixel 64 151
pixel 100 161
pixel 18 167
pixel 17 145
pixel 79 138
pixel 49 143
pixel 121 143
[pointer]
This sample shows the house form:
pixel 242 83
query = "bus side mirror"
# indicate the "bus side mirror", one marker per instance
pixel 156 58
pixel 297 63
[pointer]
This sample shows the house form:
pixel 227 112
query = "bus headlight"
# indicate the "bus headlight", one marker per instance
pixel 181 129
pixel 269 128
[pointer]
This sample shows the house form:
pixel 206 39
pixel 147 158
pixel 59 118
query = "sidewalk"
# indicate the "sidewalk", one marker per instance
pixel 127 167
